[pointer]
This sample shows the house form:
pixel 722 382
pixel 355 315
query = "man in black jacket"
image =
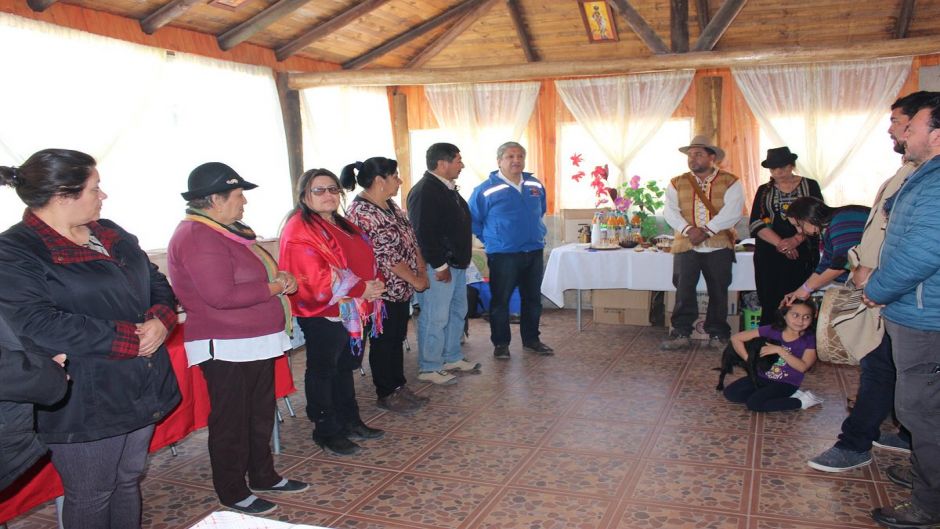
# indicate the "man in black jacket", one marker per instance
pixel 25 378
pixel 441 220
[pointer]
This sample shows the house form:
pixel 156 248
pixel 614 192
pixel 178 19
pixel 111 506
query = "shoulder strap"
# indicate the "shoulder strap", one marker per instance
pixel 701 195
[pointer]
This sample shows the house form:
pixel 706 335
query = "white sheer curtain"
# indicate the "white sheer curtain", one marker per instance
pixel 823 112
pixel 345 124
pixel 622 114
pixel 482 117
pixel 148 119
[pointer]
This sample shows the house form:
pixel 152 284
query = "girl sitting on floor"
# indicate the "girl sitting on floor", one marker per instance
pixel 777 389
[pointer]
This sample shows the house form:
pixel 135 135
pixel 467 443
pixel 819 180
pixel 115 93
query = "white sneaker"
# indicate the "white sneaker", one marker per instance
pixel 442 378
pixel 807 398
pixel 462 365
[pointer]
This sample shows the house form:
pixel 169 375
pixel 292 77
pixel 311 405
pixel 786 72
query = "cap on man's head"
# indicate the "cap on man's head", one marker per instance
pixel 214 177
pixel 702 141
pixel 779 157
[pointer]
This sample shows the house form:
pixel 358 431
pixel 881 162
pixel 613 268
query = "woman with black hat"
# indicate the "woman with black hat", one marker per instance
pixel 236 319
pixel 73 283
pixel 783 258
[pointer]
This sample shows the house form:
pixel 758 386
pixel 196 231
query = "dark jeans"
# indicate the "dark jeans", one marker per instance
pixel 386 351
pixel 716 267
pixel 102 480
pixel 328 381
pixel 240 424
pixel 874 403
pixel 768 395
pixel 917 403
pixel 508 271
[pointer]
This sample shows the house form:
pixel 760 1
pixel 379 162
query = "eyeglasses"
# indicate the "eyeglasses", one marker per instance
pixel 319 190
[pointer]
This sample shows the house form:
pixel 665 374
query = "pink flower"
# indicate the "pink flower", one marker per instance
pixel 577 176
pixel 600 172
pixel 576 160
pixel 635 182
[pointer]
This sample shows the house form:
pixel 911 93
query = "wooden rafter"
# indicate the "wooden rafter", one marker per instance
pixel 517 21
pixel 455 31
pixel 640 26
pixel 39 5
pixel 321 30
pixel 412 34
pixel 905 15
pixel 718 25
pixel 246 29
pixel 581 68
pixel 679 25
pixel 166 14
pixel 701 11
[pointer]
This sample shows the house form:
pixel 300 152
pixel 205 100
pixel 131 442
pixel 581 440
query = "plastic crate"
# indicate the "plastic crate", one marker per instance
pixel 751 318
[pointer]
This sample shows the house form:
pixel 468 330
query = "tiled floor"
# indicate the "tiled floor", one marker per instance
pixel 608 433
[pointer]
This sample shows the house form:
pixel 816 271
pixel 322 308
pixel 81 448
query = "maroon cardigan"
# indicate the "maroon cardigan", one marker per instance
pixel 222 285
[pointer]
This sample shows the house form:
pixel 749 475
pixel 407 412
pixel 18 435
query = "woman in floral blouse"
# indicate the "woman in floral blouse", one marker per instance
pixel 396 251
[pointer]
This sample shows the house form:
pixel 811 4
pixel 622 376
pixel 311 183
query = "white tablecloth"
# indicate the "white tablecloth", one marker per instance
pixel 235 520
pixel 574 267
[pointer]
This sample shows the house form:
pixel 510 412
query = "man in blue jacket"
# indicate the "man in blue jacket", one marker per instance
pixel 507 211
pixel 907 283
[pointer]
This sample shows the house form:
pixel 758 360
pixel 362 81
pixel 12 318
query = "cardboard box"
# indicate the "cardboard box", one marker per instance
pixel 698 328
pixel 702 298
pixel 621 306
pixel 619 316
pixel 572 220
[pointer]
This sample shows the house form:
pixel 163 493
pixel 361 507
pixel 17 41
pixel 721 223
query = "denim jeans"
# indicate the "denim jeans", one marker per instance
pixel 875 400
pixel 917 403
pixel 716 267
pixel 508 271
pixel 441 320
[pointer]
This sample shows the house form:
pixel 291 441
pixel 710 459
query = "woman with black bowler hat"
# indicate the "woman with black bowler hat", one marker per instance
pixel 236 317
pixel 783 258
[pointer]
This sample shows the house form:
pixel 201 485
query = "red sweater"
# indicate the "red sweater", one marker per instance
pixel 312 252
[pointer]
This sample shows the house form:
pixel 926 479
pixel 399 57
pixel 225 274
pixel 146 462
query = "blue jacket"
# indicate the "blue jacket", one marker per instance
pixel 505 220
pixel 907 280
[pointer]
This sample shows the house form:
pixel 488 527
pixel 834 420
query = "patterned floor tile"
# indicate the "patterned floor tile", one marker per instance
pixel 171 505
pixel 692 486
pixel 819 499
pixel 631 407
pixel 394 451
pixel 578 473
pixel 532 400
pixel 472 460
pixel 434 420
pixel 524 509
pixel 518 429
pixel 703 446
pixel 820 421
pixel 712 412
pixel 333 486
pixel 600 436
pixel 645 516
pixel 354 522
pixel 429 501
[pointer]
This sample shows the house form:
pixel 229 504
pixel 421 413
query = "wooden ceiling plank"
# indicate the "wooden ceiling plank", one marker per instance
pixel 248 28
pixel 640 26
pixel 717 26
pixel 702 12
pixel 321 30
pixel 905 15
pixel 582 68
pixel 455 31
pixel 166 14
pixel 515 13
pixel 679 25
pixel 412 34
pixel 40 5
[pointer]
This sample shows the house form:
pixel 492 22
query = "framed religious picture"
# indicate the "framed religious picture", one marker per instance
pixel 598 20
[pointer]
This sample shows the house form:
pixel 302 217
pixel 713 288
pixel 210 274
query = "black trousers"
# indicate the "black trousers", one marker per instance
pixel 240 426
pixel 716 267
pixel 775 276
pixel 386 351
pixel 328 381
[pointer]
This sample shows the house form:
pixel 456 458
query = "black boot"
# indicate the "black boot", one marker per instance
pixel 336 444
pixel 359 431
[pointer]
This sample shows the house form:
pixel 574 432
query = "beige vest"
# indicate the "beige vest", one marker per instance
pixel 687 198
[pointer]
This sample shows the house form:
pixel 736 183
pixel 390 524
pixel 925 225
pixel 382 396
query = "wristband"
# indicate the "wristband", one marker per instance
pixel 806 289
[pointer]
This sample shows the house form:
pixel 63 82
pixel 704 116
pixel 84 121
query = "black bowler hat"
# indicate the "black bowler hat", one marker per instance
pixel 779 157
pixel 214 177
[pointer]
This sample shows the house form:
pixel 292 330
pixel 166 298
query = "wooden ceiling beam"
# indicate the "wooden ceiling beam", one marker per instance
pixel 253 25
pixel 679 25
pixel 905 15
pixel 412 34
pixel 701 11
pixel 515 13
pixel 40 5
pixel 321 30
pixel 717 26
pixel 455 31
pixel 166 14
pixel 674 61
pixel 639 26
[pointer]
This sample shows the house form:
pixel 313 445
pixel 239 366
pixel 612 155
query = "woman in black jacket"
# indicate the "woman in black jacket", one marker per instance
pixel 74 284
pixel 25 378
